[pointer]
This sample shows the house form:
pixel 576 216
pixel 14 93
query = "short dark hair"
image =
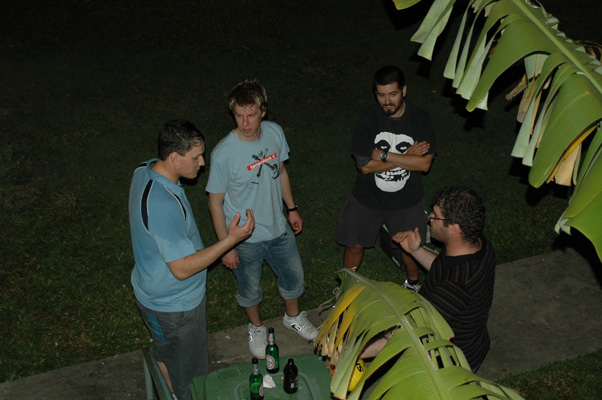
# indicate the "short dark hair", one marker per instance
pixel 248 92
pixel 462 206
pixel 387 75
pixel 180 136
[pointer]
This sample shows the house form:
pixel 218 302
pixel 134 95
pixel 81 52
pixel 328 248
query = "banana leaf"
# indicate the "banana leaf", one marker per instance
pixel 417 362
pixel 561 107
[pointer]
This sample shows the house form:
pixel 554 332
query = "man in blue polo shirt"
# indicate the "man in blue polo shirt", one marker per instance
pixel 169 274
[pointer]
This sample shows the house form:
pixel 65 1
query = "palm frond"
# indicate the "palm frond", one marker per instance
pixel 561 108
pixel 418 360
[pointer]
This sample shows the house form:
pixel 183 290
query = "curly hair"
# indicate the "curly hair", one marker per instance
pixel 462 206
pixel 248 92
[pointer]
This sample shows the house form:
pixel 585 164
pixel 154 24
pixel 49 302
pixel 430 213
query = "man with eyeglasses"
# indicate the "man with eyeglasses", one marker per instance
pixel 393 145
pixel 460 279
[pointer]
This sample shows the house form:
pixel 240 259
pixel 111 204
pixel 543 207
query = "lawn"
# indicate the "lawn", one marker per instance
pixel 85 87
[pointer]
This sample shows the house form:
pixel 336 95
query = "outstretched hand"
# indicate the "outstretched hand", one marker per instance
pixel 409 240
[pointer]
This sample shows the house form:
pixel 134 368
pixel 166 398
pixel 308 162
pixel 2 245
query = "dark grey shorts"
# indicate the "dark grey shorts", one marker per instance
pixel 358 224
pixel 180 342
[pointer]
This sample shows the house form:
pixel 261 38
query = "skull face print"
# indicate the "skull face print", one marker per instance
pixel 395 179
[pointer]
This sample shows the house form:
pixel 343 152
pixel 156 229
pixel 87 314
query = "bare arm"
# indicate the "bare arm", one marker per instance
pixel 216 207
pixel 187 266
pixel 287 195
pixel 410 241
pixel 414 159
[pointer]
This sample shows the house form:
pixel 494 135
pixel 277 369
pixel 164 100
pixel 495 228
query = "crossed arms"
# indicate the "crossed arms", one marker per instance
pixel 414 159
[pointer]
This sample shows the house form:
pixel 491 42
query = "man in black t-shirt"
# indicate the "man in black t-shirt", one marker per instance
pixel 461 278
pixel 393 144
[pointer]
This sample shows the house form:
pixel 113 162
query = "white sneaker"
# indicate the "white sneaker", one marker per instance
pixel 301 325
pixel 415 287
pixel 258 339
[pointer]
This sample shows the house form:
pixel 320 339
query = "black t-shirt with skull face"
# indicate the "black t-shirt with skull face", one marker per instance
pixel 398 188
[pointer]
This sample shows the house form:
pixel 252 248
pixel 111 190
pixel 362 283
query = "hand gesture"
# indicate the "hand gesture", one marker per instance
pixel 409 240
pixel 238 233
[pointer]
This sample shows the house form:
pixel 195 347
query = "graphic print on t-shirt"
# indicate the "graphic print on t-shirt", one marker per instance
pixel 395 179
pixel 263 160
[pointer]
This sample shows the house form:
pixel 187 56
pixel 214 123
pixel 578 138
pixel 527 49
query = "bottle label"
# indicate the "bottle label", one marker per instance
pixel 270 362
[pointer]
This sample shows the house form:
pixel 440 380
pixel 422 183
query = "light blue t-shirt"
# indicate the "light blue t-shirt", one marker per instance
pixel 163 229
pixel 249 175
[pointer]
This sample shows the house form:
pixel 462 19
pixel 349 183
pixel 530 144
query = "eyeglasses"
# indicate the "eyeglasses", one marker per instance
pixel 429 218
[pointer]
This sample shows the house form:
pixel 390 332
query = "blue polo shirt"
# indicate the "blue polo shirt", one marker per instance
pixel 163 229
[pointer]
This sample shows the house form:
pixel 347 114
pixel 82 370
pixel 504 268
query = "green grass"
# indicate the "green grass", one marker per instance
pixel 84 89
pixel 577 378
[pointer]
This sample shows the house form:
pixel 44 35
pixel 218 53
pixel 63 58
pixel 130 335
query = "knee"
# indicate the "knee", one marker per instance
pixel 356 248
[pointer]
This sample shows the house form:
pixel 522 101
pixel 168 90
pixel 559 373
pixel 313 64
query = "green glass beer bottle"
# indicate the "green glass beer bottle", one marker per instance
pixel 256 382
pixel 272 358
pixel 290 383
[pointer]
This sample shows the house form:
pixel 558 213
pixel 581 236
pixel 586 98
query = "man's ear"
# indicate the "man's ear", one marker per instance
pixel 404 91
pixel 455 228
pixel 173 158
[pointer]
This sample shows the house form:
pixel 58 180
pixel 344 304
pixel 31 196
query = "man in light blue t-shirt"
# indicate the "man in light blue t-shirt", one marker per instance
pixel 169 273
pixel 247 172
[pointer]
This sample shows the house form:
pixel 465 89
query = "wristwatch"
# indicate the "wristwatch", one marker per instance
pixel 295 208
pixel 383 155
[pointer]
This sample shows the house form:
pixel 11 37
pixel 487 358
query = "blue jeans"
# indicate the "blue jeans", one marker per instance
pixel 282 256
pixel 180 342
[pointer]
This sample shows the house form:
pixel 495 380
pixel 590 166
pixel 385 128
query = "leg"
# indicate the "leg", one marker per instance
pixel 353 257
pixel 411 266
pixel 253 314
pixel 408 219
pixel 284 259
pixel 292 307
pixel 357 228
pixel 250 294
pixel 163 369
pixel 248 278
pixel 180 345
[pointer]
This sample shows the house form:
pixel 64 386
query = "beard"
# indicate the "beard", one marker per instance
pixel 391 111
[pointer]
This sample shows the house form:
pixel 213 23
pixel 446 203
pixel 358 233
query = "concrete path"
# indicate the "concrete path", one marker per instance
pixel 546 308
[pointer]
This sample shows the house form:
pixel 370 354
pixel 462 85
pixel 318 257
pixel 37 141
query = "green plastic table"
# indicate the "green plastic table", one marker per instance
pixel 232 383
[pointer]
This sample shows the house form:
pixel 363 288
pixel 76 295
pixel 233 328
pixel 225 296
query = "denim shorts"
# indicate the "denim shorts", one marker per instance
pixel 282 256
pixel 180 342
pixel 358 224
